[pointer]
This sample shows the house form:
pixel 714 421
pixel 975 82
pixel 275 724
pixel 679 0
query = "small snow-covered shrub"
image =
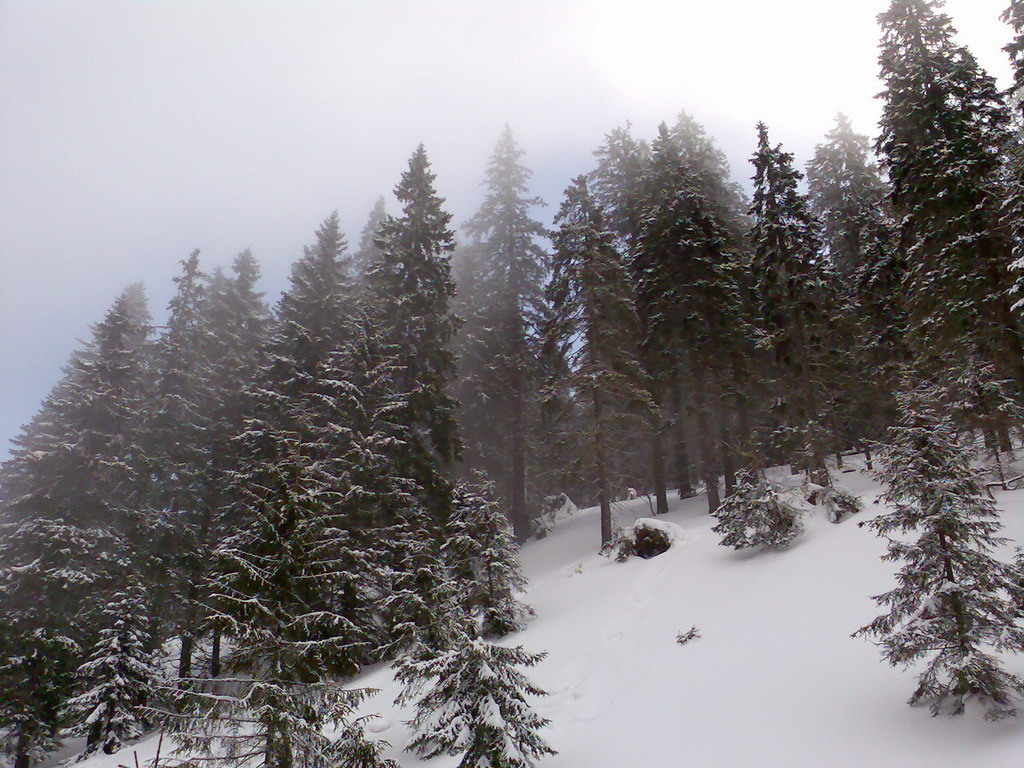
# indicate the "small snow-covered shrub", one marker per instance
pixel 839 503
pixel 645 539
pixel 557 510
pixel 755 515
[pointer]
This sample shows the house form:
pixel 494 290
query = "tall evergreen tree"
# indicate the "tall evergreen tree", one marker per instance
pixel 120 677
pixel 594 314
pixel 499 373
pixel 686 287
pixel 409 290
pixel 942 131
pixel 272 596
pixel 792 288
pixel 367 254
pixel 482 557
pixel 955 605
pixel 70 519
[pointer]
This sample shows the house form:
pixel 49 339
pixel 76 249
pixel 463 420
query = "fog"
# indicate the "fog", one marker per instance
pixel 133 132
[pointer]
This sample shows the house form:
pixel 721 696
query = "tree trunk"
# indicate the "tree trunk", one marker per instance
pixel 185 659
pixel 21 751
pixel 520 520
pixel 726 452
pixel 602 472
pixel 680 453
pixel 658 456
pixel 709 472
pixel 215 655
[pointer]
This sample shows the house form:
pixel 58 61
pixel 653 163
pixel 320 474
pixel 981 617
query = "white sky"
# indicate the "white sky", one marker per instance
pixel 133 132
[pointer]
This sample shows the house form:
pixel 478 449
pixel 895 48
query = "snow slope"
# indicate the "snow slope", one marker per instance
pixel 776 681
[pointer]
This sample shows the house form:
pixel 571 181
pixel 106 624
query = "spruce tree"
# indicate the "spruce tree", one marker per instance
pixel 686 287
pixel 367 254
pixel 594 315
pixel 119 679
pixel 791 281
pixel 481 555
pixel 955 604
pixel 471 701
pixel 754 515
pixel 943 128
pixel 71 520
pixel 409 290
pixel 272 595
pixel 503 334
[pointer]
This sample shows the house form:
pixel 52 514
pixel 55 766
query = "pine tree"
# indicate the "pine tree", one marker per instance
pixel 594 315
pixel 474 705
pixel 1014 16
pixel 119 679
pixel 686 287
pixel 847 195
pixel 753 515
pixel 791 284
pixel 69 520
pixel 954 604
pixel 409 289
pixel 503 331
pixel 272 595
pixel 482 557
pixel 367 254
pixel 943 128
pixel 314 316
pixel 177 426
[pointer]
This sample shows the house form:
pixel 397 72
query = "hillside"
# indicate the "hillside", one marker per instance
pixel 774 681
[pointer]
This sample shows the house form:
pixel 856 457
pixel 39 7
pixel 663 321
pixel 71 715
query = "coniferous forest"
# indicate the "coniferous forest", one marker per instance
pixel 210 527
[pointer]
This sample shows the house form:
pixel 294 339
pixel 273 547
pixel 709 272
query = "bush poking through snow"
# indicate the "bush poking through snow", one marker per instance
pixel 691 634
pixel 754 515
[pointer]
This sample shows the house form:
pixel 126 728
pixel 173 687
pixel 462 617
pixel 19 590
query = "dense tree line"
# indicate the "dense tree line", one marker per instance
pixel 277 497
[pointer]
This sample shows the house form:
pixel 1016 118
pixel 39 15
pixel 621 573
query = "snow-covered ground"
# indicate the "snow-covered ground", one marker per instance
pixel 775 681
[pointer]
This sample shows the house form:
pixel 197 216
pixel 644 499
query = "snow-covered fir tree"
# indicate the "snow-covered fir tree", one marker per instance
pixel 273 596
pixel 943 129
pixel 408 293
pixel 119 680
pixel 955 604
pixel 482 556
pixel 471 701
pixel 594 315
pixel 69 521
pixel 754 515
pixel 499 372
pixel 367 254
pixel 791 282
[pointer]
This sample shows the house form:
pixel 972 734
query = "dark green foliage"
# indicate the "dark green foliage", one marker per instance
pixel 955 604
pixel 409 289
pixel 502 300
pixel 791 281
pixel 943 127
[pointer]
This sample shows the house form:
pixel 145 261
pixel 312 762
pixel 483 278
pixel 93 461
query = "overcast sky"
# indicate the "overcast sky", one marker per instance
pixel 133 132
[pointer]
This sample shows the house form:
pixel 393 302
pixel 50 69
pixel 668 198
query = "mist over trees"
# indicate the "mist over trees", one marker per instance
pixel 275 498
